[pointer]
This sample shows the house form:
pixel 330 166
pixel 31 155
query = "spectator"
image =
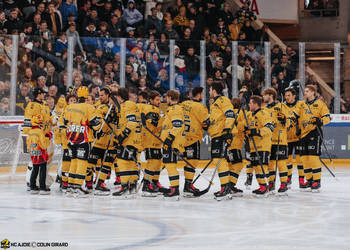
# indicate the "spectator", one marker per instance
pixel 253 54
pixel 153 21
pixel 116 26
pixel 226 14
pixel 186 41
pixel 192 64
pixel 170 32
pixel 36 24
pixel 235 29
pixel 249 31
pixel 67 8
pixel 13 23
pixel 23 96
pixel 92 18
pixel 61 44
pixel 5 106
pixel 130 32
pixel 163 44
pixel 195 33
pixel 262 34
pixel 221 29
pixel 44 33
pixel 76 38
pixel 181 21
pixel 53 19
pixel 2 22
pixel 131 15
pixel 53 91
pixel 159 7
pixel 51 102
pixel 211 59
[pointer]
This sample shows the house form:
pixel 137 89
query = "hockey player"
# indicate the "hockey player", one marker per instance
pixel 102 140
pixel 150 113
pixel 38 141
pixel 313 114
pixel 129 142
pixel 234 154
pixel 195 123
pixel 260 130
pixel 293 137
pixel 67 153
pixel 36 107
pixel 173 137
pixel 79 119
pixel 279 154
pixel 221 123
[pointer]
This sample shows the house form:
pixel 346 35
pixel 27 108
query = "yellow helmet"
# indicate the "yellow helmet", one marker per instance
pixel 37 120
pixel 83 92
pixel 61 103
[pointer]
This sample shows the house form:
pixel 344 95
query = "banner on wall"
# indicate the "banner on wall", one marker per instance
pixel 281 11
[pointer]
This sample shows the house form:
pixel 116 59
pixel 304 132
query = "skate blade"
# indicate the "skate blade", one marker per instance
pixel 44 193
pixel 261 195
pixel 315 190
pixel 188 195
pixel 147 194
pixel 305 190
pixel 272 193
pixel 34 192
pixel 173 198
pixel 97 193
pixel 223 198
pixel 282 194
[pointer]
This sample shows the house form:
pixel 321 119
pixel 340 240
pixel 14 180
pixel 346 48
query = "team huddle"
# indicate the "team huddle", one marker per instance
pixel 111 134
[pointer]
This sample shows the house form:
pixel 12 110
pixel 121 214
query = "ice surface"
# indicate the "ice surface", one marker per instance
pixel 303 220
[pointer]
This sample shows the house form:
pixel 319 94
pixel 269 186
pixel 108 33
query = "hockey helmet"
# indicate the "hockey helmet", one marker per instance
pixel 83 92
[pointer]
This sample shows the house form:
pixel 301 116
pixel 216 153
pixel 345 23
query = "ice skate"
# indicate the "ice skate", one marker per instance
pixel 315 187
pixel 235 192
pixel 117 181
pixel 173 194
pixel 80 192
pixel 306 187
pixel 283 189
pixel 190 191
pixel 159 188
pixel 224 193
pixel 148 189
pixel 289 181
pixel 34 190
pixel 101 189
pixel 133 189
pixel 261 191
pixel 45 191
pixel 301 182
pixel 122 192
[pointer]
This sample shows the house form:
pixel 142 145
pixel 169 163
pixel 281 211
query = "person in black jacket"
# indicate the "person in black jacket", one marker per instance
pixel 192 64
pixel 13 22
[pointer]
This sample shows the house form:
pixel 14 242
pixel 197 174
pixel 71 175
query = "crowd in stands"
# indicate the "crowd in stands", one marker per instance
pixel 97 26
pixel 322 8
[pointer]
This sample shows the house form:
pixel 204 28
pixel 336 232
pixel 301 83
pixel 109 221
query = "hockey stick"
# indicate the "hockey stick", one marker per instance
pixel 255 148
pixel 104 156
pixel 278 143
pixel 199 175
pixel 176 153
pixel 200 193
pixel 321 136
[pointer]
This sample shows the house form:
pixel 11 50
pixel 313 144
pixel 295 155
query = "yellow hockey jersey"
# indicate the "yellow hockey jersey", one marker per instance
pixel 293 129
pixel 36 108
pixel 106 132
pixel 238 131
pixel 78 118
pixel 37 145
pixel 195 117
pixel 280 130
pixel 174 124
pixel 129 114
pixel 152 113
pixel 221 116
pixel 261 120
pixel 318 109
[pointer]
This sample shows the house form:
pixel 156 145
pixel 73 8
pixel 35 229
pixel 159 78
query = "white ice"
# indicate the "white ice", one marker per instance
pixel 302 220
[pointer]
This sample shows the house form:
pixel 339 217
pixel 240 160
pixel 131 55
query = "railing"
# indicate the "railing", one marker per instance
pixel 315 13
pixel 153 64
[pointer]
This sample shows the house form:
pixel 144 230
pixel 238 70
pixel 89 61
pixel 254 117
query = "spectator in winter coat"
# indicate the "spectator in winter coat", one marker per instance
pixel 235 29
pixel 170 32
pixel 66 8
pixel 153 20
pixel 13 23
pixel 131 15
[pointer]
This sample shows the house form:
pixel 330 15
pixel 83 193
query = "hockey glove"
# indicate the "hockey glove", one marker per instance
pixel 317 121
pixel 123 136
pixel 143 119
pixel 154 119
pixel 49 135
pixel 227 136
pixel 282 118
pixel 168 142
pixel 251 132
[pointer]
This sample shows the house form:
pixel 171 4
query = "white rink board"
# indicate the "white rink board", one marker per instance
pixel 319 221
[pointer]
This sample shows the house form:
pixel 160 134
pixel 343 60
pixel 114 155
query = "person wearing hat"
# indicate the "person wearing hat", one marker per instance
pixel 130 32
pixel 36 107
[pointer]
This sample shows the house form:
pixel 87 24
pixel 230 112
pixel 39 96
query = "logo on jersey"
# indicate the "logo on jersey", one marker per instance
pixel 5 244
